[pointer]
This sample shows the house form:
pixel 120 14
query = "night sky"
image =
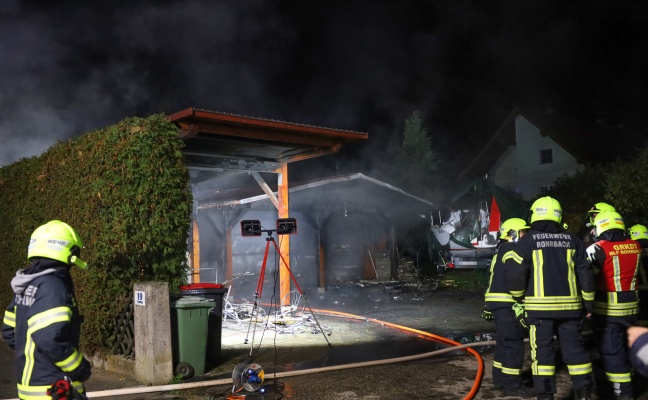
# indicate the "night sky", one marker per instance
pixel 68 67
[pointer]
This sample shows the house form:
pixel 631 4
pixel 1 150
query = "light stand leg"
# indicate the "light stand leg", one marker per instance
pixel 257 296
pixel 259 292
pixel 300 291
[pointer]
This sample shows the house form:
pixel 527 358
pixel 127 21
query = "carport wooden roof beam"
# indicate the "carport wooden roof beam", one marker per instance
pixel 257 141
pixel 221 141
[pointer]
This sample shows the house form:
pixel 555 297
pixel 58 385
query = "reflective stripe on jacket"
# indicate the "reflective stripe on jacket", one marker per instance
pixel 497 295
pixel 551 272
pixel 616 286
pixel 45 333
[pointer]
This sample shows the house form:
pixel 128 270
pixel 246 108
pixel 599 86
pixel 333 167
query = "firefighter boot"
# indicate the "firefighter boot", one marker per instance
pixel 521 391
pixel 582 394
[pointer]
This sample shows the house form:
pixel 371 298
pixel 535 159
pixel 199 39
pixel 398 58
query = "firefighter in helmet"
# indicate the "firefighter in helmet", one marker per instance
pixel 615 259
pixel 550 278
pixel 640 234
pixel 592 213
pixel 509 348
pixel 42 323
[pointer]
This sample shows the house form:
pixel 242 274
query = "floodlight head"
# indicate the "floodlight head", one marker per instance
pixel 250 227
pixel 286 226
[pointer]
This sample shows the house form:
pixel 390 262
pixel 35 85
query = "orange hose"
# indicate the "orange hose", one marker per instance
pixel 228 381
pixel 480 361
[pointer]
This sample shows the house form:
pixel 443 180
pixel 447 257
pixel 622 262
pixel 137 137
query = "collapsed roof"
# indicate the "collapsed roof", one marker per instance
pixel 353 192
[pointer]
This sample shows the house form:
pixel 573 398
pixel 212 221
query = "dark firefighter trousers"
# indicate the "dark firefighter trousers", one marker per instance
pixel 613 348
pixel 572 347
pixel 509 350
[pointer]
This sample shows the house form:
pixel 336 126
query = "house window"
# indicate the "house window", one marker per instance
pixel 546 156
pixel 544 189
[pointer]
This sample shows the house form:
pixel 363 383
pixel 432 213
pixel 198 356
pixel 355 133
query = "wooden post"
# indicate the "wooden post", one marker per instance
pixel 320 248
pixel 322 275
pixel 195 253
pixel 284 240
pixel 228 247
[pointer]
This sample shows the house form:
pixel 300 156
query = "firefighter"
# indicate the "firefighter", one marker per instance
pixel 552 282
pixel 640 234
pixel 42 323
pixel 509 348
pixel 597 208
pixel 592 213
pixel 616 260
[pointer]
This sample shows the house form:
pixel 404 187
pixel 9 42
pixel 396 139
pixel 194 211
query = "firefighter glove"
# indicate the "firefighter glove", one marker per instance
pixel 487 315
pixel 60 390
pixel 82 372
pixel 520 314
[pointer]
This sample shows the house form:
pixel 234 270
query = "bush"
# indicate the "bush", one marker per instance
pixel 626 188
pixel 621 184
pixel 125 189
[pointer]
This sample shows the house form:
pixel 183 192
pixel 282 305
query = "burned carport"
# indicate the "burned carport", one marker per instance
pixel 226 145
pixel 348 230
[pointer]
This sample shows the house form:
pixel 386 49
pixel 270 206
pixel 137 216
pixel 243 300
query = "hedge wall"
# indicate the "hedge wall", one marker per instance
pixel 125 189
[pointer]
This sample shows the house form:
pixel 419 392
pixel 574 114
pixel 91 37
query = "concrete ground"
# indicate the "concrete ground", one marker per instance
pixel 448 312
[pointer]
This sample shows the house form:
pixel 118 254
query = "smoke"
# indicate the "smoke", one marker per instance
pixel 71 67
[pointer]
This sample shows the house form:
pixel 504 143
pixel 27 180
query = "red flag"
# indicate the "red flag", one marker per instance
pixel 494 224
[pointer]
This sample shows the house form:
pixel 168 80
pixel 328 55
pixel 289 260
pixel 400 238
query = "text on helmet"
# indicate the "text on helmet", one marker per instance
pixel 58 242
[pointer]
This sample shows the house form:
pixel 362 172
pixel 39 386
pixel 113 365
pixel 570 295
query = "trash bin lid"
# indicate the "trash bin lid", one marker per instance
pixel 209 290
pixel 194 302
pixel 194 286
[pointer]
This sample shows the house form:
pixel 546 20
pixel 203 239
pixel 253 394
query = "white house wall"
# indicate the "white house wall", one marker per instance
pixel 504 172
pixel 520 169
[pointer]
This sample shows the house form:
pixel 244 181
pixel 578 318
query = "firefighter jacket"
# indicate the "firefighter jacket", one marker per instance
pixel 42 324
pixel 497 295
pixel 643 243
pixel 548 268
pixel 644 246
pixel 619 262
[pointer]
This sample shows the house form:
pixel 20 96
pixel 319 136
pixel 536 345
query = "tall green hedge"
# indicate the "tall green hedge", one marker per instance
pixel 125 189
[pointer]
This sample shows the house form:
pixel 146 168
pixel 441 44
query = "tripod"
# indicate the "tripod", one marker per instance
pixel 259 289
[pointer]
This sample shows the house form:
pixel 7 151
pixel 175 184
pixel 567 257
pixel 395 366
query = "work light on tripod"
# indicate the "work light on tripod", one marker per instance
pixel 250 228
pixel 286 226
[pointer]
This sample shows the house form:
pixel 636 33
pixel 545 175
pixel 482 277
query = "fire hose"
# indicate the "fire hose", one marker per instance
pixel 454 346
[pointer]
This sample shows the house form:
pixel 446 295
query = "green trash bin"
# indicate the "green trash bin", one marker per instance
pixel 190 334
pixel 214 292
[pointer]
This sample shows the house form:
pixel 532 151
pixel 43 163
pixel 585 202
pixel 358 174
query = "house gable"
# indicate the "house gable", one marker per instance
pixel 534 163
pixel 512 157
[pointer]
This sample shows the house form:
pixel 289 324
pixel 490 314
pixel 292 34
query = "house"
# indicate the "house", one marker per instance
pixel 533 148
